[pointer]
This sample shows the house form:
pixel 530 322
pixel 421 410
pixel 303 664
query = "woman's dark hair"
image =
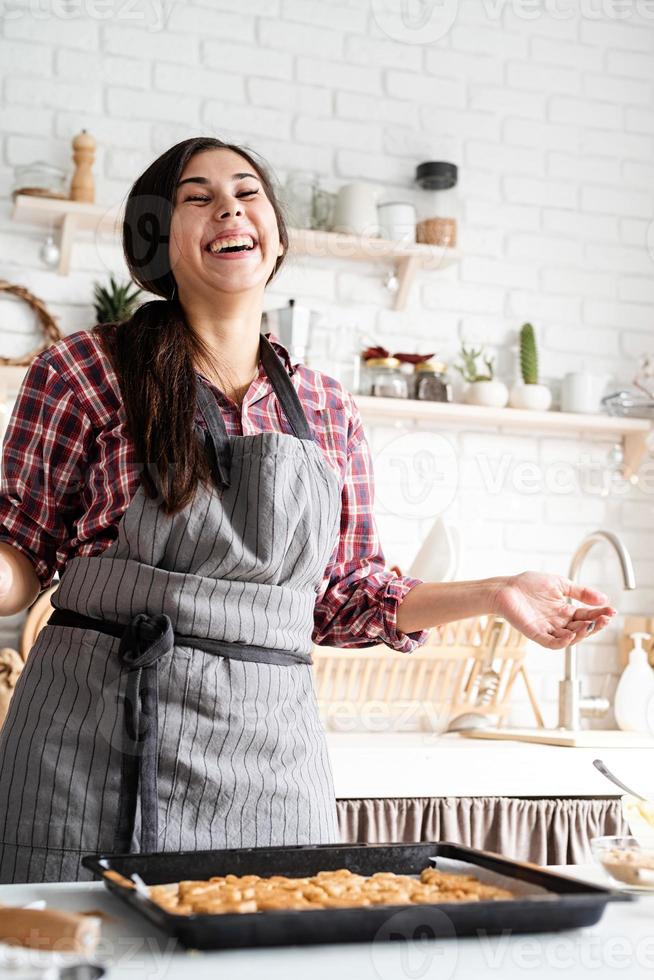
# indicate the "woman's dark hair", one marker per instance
pixel 153 352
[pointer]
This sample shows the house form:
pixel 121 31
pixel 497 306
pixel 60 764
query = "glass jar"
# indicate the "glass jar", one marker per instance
pixel 438 205
pixel 40 179
pixel 297 197
pixel 432 383
pixel 386 380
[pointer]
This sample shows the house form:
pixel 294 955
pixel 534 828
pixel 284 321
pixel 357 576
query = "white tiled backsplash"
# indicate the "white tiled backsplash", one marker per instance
pixel 548 110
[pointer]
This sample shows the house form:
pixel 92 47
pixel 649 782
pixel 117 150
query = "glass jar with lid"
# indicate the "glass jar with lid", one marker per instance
pixel 40 179
pixel 438 204
pixel 385 379
pixel 432 383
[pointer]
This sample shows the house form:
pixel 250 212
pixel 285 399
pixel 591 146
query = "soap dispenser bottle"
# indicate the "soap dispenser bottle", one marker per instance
pixel 635 688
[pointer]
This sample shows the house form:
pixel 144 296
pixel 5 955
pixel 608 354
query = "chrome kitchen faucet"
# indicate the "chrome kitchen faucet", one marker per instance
pixel 571 704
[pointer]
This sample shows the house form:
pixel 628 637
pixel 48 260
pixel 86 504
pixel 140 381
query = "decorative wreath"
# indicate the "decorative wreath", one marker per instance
pixel 48 325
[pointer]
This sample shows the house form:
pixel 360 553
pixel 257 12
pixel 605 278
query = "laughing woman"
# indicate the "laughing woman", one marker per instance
pixel 208 504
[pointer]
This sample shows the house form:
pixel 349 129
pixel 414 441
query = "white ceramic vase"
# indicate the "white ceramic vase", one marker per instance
pixel 536 397
pixel 492 394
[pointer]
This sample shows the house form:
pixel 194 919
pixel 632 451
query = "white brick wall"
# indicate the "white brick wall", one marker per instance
pixel 548 110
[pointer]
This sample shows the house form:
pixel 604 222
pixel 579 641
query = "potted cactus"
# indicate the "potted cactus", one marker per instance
pixel 528 393
pixel 483 388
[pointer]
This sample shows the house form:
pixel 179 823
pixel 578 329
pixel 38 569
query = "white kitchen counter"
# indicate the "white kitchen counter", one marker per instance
pixel 412 764
pixel 622 942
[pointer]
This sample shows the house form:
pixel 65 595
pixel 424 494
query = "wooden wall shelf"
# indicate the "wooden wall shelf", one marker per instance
pixel 72 217
pixel 632 433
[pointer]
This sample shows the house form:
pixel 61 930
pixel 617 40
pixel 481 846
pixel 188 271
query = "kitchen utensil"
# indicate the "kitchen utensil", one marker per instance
pixel 606 772
pixel 488 683
pixel 291 324
pixel 568 904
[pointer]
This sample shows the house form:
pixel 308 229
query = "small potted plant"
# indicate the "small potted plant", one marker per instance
pixel 482 388
pixel 115 303
pixel 528 393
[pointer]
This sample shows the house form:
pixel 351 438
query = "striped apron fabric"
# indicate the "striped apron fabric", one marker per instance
pixel 169 702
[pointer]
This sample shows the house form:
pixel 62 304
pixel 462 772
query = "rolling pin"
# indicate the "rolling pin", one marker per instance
pixel 49 929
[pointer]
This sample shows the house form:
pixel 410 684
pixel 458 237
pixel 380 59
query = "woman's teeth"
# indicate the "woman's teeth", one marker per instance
pixel 231 244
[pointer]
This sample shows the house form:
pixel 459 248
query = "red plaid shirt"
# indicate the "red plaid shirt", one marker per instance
pixel 69 472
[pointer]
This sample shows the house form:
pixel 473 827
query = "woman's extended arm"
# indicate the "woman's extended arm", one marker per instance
pixel 537 604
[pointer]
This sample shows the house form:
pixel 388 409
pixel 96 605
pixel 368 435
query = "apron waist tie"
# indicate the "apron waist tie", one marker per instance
pixel 143 642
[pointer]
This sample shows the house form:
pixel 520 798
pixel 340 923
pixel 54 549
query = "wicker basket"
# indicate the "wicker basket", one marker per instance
pixel 379 689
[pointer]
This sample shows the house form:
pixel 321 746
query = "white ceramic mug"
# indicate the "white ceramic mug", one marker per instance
pixel 355 212
pixel 580 392
pixel 397 221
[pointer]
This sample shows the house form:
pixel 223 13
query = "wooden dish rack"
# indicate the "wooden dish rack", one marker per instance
pixel 380 689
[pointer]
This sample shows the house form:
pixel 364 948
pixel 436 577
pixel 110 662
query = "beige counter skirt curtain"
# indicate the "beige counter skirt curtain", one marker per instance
pixel 545 831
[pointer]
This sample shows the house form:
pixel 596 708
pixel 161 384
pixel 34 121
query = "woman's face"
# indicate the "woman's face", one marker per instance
pixel 225 194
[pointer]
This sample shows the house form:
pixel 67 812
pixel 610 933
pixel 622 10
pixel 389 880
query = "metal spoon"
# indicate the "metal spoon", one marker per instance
pixel 614 779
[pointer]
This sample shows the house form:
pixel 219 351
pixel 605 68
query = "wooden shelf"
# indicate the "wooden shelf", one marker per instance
pixel 406 258
pixel 68 217
pixel 71 217
pixel 632 433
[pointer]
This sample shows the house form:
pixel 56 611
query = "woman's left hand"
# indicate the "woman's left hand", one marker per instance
pixel 539 606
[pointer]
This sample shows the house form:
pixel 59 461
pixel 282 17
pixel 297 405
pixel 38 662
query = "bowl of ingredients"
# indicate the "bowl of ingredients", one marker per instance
pixel 627 860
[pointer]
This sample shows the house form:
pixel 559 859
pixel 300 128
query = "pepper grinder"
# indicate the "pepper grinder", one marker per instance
pixel 82 185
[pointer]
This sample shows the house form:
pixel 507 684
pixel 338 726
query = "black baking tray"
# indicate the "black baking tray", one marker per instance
pixel 568 904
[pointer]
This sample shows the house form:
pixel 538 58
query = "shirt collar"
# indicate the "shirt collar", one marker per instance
pixel 289 363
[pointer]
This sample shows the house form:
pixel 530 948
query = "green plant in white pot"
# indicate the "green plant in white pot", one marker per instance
pixel 483 388
pixel 528 393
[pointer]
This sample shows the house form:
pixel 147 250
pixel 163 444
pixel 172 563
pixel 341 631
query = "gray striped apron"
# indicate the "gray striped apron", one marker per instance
pixel 169 703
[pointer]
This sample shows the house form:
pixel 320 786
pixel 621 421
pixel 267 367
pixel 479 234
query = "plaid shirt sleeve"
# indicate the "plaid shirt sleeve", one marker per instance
pixel 357 606
pixel 42 455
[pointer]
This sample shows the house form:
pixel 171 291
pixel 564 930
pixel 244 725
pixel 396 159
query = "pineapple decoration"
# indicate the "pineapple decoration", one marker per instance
pixel 529 393
pixel 115 303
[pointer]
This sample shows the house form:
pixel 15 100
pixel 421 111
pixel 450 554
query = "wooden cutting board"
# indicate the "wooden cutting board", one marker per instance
pixel 584 739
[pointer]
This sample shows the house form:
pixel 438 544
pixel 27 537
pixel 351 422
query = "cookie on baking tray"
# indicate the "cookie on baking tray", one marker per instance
pixel 340 888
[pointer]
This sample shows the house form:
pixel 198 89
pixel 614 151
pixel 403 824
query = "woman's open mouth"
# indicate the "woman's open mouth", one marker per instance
pixel 232 248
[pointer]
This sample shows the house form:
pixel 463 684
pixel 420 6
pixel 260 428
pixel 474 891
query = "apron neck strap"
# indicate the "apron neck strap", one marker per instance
pixel 216 436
